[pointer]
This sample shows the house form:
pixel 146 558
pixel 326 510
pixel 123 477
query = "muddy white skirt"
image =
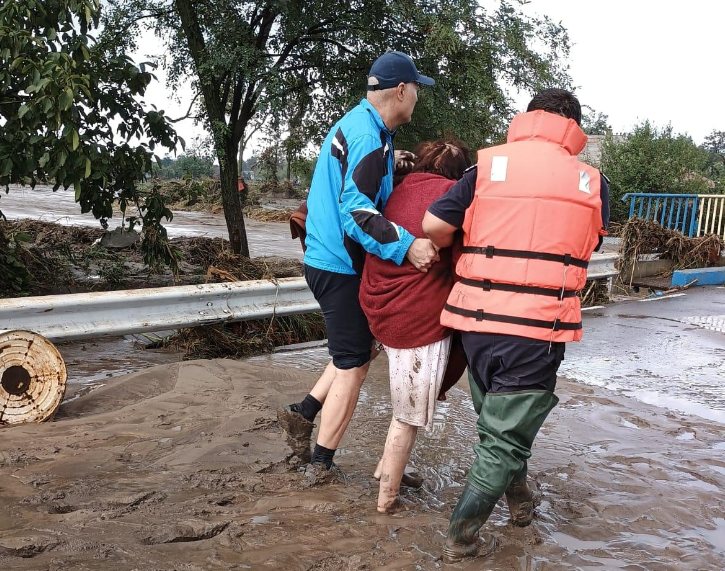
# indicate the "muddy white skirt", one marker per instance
pixel 416 376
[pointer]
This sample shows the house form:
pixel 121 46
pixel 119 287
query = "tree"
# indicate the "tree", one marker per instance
pixel 190 165
pixel 71 117
pixel 653 160
pixel 715 143
pixel 715 147
pixel 248 60
pixel 594 123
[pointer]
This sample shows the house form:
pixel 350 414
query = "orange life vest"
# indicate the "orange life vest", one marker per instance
pixel 529 234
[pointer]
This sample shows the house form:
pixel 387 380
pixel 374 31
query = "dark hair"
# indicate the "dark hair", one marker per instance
pixel 559 101
pixel 448 158
pixel 404 163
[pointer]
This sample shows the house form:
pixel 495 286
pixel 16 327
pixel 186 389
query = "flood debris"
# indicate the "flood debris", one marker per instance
pixel 60 259
pixel 247 338
pixel 640 237
pixel 595 292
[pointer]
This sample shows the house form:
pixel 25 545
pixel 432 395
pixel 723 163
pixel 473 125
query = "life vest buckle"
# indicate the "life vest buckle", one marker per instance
pixel 567 259
pixel 556 324
pixel 479 315
pixel 486 285
pixel 489 251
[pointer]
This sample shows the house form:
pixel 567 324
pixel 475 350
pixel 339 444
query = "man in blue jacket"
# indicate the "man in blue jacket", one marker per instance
pixel 352 182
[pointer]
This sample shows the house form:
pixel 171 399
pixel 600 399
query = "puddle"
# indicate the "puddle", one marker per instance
pixel 573 544
pixel 89 362
pixel 715 537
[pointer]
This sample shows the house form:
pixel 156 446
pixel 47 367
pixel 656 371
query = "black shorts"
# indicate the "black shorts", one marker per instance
pixel 508 363
pixel 349 339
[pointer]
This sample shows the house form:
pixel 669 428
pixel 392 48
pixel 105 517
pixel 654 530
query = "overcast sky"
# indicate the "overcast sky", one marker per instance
pixel 647 59
pixel 633 60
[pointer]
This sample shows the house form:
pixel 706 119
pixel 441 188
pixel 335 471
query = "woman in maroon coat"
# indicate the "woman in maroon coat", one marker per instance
pixel 403 308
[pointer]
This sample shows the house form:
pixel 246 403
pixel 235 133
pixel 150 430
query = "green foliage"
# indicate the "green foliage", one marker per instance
pixel 653 160
pixel 303 168
pixel 269 164
pixel 304 64
pixel 594 123
pixel 715 147
pixel 14 276
pixel 186 166
pixel 71 115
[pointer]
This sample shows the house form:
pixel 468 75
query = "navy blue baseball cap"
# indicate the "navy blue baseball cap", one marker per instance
pixel 393 68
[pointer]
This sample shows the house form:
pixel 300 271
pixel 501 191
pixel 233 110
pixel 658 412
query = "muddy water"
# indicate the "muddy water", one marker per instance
pixel 454 421
pixel 90 363
pixel 666 352
pixel 265 239
pixel 602 466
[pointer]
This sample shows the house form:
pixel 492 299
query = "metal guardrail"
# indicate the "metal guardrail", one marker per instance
pixel 602 266
pixel 105 314
pixel 691 214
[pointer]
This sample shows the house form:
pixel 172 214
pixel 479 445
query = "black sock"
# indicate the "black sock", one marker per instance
pixel 309 407
pixel 322 455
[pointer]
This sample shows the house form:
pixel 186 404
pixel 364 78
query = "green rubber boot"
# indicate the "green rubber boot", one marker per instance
pixel 520 500
pixel 507 426
pixel 473 509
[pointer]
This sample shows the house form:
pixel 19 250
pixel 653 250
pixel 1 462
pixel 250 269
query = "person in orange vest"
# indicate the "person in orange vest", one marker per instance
pixel 531 216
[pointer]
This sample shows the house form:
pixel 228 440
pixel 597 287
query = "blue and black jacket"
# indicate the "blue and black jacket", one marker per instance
pixel 352 183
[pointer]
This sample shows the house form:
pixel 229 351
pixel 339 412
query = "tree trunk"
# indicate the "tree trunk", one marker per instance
pixel 232 202
pixel 226 149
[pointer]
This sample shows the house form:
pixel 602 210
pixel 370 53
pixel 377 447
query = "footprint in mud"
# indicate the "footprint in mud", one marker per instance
pixel 61 509
pixel 27 546
pixel 187 531
pixel 633 421
pixel 683 434
pixel 574 402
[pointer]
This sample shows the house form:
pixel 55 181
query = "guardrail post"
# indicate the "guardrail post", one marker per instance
pixel 693 217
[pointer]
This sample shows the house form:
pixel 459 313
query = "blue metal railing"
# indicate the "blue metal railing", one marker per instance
pixel 674 211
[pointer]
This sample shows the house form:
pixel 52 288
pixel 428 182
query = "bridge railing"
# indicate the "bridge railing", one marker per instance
pixel 691 214
pixel 712 215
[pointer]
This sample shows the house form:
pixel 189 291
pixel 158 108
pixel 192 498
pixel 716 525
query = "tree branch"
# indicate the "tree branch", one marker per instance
pixel 188 113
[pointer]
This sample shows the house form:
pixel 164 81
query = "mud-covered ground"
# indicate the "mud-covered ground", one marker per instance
pixel 184 467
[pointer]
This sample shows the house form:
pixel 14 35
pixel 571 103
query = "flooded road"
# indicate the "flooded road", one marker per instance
pixel 603 462
pixel 669 351
pixel 183 466
pixel 265 238
pixel 630 465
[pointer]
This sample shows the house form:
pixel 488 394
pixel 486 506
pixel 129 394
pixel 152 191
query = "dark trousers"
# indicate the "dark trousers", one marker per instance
pixel 512 384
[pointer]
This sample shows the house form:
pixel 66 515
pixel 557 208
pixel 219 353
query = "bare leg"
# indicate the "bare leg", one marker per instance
pixel 398 446
pixel 322 386
pixel 378 470
pixel 340 405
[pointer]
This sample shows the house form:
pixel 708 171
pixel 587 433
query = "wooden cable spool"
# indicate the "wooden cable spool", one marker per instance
pixel 32 378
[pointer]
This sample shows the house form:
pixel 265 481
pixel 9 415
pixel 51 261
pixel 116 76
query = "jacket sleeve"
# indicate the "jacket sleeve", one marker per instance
pixel 365 169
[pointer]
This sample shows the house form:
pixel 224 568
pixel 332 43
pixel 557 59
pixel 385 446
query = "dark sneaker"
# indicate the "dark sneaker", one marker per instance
pixel 412 480
pixel 299 431
pixel 317 474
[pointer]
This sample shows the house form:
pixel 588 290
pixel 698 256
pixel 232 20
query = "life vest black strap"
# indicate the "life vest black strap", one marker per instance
pixel 490 252
pixel 488 285
pixel 480 315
